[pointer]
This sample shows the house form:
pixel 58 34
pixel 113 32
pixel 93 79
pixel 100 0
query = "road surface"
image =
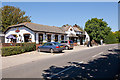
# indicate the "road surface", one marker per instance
pixel 36 68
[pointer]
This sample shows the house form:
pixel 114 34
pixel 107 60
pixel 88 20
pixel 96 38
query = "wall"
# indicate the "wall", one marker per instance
pixel 87 38
pixel 23 30
pixel 45 38
pixel 70 32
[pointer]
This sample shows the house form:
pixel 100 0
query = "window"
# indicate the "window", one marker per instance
pixel 66 42
pixel 62 37
pixel 40 38
pixel 14 40
pixel 56 38
pixel 71 29
pixel 45 44
pixel 56 43
pixel 50 44
pixel 71 41
pixel 27 38
pixel 49 38
pixel 62 41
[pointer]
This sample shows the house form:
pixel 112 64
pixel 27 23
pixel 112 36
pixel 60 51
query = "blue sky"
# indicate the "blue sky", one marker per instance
pixel 60 13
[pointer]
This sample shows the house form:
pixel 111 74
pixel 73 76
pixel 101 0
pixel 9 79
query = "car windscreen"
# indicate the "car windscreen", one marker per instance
pixel 47 44
pixel 64 41
pixel 56 43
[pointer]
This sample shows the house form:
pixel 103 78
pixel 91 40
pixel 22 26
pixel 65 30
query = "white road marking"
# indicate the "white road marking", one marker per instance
pixel 98 54
pixel 81 62
pixel 62 71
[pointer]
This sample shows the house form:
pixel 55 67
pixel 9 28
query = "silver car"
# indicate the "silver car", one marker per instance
pixel 51 47
pixel 68 44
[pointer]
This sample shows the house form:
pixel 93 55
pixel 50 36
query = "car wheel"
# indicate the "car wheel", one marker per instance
pixel 72 48
pixel 60 51
pixel 51 51
pixel 38 49
pixel 66 47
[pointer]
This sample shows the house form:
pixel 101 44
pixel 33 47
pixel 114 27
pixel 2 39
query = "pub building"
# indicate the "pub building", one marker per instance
pixel 32 32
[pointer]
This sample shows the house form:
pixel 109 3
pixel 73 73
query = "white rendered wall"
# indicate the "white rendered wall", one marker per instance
pixel 44 38
pixel 70 32
pixel 52 37
pixel 23 30
pixel 37 38
pixel 87 38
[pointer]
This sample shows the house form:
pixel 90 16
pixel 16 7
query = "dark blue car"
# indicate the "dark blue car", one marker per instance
pixel 51 47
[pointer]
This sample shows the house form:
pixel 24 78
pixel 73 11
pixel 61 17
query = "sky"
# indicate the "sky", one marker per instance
pixel 60 13
pixel 119 16
pixel 59 0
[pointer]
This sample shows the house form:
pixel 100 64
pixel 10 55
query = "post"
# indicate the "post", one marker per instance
pixel 37 39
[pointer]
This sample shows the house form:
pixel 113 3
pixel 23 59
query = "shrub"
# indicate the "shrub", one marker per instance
pixel 110 39
pixel 19 48
pixel 29 47
pixel 7 51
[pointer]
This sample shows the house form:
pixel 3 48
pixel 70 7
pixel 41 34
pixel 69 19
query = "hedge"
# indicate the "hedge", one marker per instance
pixel 19 48
pixel 12 50
pixel 27 46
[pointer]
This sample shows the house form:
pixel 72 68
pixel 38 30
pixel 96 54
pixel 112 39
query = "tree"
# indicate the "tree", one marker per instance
pixel 97 29
pixel 11 16
pixel 111 38
pixel 117 35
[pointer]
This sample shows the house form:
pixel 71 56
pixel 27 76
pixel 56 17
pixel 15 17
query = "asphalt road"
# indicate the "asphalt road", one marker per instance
pixel 38 69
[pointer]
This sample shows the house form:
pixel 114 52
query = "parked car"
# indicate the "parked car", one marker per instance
pixel 51 47
pixel 68 44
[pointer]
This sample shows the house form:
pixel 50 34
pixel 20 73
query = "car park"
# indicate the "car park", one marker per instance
pixel 68 44
pixel 51 47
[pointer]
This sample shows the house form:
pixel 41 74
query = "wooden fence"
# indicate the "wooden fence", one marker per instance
pixel 8 44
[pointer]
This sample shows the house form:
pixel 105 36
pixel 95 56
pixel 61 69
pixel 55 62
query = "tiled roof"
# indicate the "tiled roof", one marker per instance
pixel 67 27
pixel 39 27
pixel 76 29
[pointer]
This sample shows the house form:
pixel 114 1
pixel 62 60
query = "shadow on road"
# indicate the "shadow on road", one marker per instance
pixel 104 68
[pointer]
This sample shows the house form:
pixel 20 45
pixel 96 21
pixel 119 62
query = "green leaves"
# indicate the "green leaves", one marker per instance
pixel 97 29
pixel 11 16
pixel 110 39
pixel 117 35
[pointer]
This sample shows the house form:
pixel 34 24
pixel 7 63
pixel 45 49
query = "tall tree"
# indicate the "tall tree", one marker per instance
pixel 11 16
pixel 97 29
pixel 111 38
pixel 117 35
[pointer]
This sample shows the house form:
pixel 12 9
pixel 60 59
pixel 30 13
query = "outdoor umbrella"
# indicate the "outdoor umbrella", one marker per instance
pixel 11 37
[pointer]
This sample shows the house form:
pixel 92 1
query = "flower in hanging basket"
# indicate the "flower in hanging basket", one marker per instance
pixel 17 31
